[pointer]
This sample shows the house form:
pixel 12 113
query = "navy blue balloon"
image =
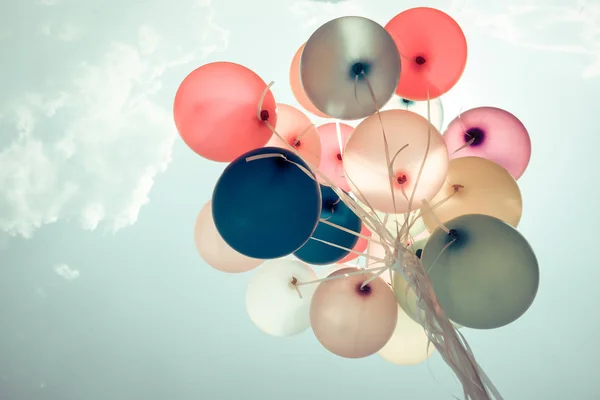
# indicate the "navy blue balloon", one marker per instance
pixel 336 212
pixel 266 208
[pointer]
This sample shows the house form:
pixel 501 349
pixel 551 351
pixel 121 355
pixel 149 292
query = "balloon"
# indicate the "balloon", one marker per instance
pixel 352 322
pixel 488 277
pixel 497 135
pixel 267 207
pixel 433 49
pixel 272 301
pixel 487 189
pixel 436 110
pixel 214 250
pixel 409 344
pixel 336 212
pixel 215 111
pixel 299 132
pixel 339 62
pixel 331 153
pixel 366 164
pixel 296 85
pixel 359 247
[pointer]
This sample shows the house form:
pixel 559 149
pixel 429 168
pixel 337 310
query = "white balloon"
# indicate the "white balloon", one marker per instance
pixel 273 303
pixel 409 344
pixel 419 107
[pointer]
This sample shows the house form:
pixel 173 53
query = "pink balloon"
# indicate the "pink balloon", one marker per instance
pixel 215 111
pixel 353 322
pixel 214 250
pixel 331 154
pixel 297 129
pixel 498 136
pixel 360 246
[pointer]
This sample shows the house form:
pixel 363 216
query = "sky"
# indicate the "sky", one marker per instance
pixel 102 293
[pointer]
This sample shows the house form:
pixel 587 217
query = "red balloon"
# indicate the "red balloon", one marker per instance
pixel 215 111
pixel 433 52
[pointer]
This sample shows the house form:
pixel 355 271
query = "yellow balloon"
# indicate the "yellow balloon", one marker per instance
pixel 409 345
pixel 484 187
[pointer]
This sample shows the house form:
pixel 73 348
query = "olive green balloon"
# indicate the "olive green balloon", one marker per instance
pixel 335 61
pixel 488 277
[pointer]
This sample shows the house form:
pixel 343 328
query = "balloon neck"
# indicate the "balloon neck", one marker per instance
pixel 453 233
pixel 359 70
pixel 339 157
pixel 264 115
pixel 420 60
pixel 363 290
pixel 475 136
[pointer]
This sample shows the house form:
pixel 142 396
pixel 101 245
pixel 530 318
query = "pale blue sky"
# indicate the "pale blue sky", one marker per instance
pixel 102 293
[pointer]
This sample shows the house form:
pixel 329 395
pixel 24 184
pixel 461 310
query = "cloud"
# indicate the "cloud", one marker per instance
pixel 568 29
pixel 85 122
pixel 66 272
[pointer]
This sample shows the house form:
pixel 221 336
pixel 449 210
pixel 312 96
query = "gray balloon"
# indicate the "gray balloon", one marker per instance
pixel 342 50
pixel 488 277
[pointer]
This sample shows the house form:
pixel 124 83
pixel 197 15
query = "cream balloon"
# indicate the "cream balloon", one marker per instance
pixel 352 321
pixel 409 344
pixel 273 302
pixel 484 187
pixel 214 250
pixel 436 109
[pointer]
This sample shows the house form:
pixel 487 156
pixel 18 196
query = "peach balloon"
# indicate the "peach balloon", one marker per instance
pixel 486 188
pixel 359 247
pixel 409 344
pixel 407 136
pixel 214 250
pixel 299 132
pixel 296 85
pixel 352 322
pixel 331 153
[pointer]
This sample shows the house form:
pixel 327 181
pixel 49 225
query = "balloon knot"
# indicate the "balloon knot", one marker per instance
pixel 339 157
pixel 453 233
pixel 457 188
pixel 420 60
pixel 264 115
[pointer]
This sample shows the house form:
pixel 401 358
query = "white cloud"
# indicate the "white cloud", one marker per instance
pixel 84 134
pixel 569 29
pixel 66 272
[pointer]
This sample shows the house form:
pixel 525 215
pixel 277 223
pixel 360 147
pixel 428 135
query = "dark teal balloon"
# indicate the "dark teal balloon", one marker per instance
pixel 336 212
pixel 488 277
pixel 266 208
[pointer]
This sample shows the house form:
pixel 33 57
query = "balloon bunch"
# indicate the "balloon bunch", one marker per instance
pixel 427 220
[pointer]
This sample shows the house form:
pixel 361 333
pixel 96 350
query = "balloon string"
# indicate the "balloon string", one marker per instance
pixel 437 220
pixel 343 229
pixel 467 144
pixel 341 276
pixel 345 248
